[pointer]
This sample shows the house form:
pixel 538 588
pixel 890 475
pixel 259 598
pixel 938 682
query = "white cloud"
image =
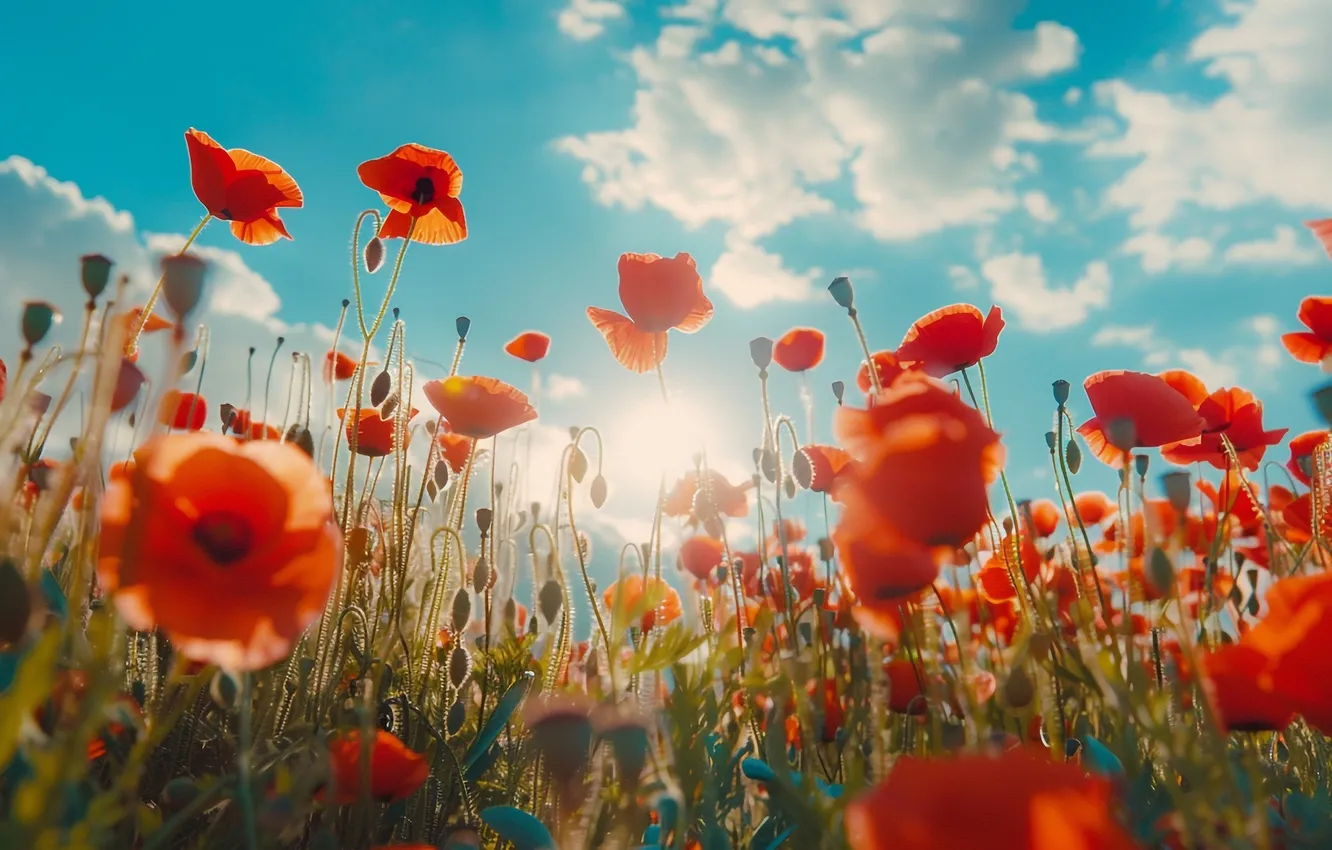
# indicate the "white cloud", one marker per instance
pixel 1159 253
pixel 1215 371
pixel 749 134
pixel 561 387
pixel 1284 248
pixel 584 19
pixel 750 276
pixel 1073 96
pixel 1134 336
pixel 1039 206
pixel 1217 368
pixel 1019 284
pixel 962 277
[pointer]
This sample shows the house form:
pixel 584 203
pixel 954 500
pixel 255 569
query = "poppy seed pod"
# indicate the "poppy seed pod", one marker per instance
pixel 1122 433
pixel 182 283
pixel 94 274
pixel 1160 571
pixel 1050 439
pixel 460 666
pixel 1060 388
pixel 550 599
pixel 38 319
pixel 843 293
pixel 1140 464
pixel 484 518
pixel 1322 399
pixel 456 718
pixel 1019 690
pixel 760 351
pixel 128 382
pixel 1073 456
pixel 839 390
pixel 300 436
pixel 380 388
pixel 462 610
pixel 374 254
pixel 463 324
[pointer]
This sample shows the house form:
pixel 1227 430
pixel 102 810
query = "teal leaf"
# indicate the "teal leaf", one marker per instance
pixel 518 828
pixel 1097 758
pixel 757 770
pixel 55 597
pixel 504 709
pixel 781 839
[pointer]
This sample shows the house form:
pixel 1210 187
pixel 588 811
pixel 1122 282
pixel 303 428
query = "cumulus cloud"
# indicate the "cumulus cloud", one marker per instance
pixel 1018 283
pixel 1255 343
pixel 1159 253
pixel 750 133
pixel 1285 248
pixel 1039 207
pixel 561 387
pixel 749 276
pixel 582 20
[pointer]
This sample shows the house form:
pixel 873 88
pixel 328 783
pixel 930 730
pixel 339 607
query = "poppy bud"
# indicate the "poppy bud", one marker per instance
pixel 790 486
pixel 598 491
pixel 629 746
pixel 1160 571
pixel 1073 456
pixel 455 720
pixel 592 664
pixel 1322 398
pixel 484 518
pixel 462 610
pixel 380 388
pixel 460 666
pixel 1121 433
pixel 561 732
pixel 577 464
pixel 94 273
pixel 760 351
pixel 1050 439
pixel 1060 392
pixel 463 324
pixel 390 406
pixel 15 604
pixel 182 283
pixel 826 549
pixel 374 254
pixel 432 490
pixel 442 473
pixel 38 319
pixel 301 438
pixel 802 469
pixel 768 465
pixel 128 382
pixel 839 389
pixel 843 293
pixel 550 599
pixel 1177 488
pixel 535 508
pixel 187 361
pixel 481 575
pixel 1018 688
pixel 1140 463
pixel 1039 646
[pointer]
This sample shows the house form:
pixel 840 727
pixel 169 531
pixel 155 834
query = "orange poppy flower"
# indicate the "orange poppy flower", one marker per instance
pixel 799 349
pixel 1237 415
pixel 701 555
pixel 453 448
pixel 1322 229
pixel 659 294
pixel 339 366
pixel 1236 674
pixel 1016 801
pixel 1297 516
pixel 1044 516
pixel 1313 345
pixel 1093 507
pixel 418 184
pixel 374 435
pixel 396 771
pixel 530 346
pixel 951 338
pixel 242 188
pixel 183 411
pixel 792 529
pixel 631 591
pixel 925 460
pixel 1154 413
pixel 886 366
pixel 1301 464
pixel 818 467
pixel 729 499
pixel 128 320
pixel 478 407
pixel 883 569
pixel 228 547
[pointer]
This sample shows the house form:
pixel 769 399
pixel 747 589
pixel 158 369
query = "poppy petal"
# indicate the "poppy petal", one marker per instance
pixel 1322 229
pixel 280 181
pixel 261 231
pixel 210 169
pixel 636 350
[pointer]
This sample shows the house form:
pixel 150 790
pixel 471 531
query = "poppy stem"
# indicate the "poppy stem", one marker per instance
pixel 245 790
pixel 132 344
pixel 870 368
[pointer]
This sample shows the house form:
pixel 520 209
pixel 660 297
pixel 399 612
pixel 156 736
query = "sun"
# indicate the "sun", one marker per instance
pixel 655 439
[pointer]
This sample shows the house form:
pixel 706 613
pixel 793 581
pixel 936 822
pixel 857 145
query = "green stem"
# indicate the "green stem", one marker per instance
pixel 132 344
pixel 246 789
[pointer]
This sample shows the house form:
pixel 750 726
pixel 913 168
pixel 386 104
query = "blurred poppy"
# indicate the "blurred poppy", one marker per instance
pixel 454 448
pixel 1243 704
pixel 925 461
pixel 478 407
pixel 883 569
pixel 1313 345
pixel 701 555
pixel 659 294
pixel 951 338
pixel 338 366
pixel 799 349
pixel 420 186
pixel 373 434
pixel 1043 517
pixel 721 497
pixel 183 411
pixel 886 366
pixel 904 693
pixel 631 593
pixel 1146 409
pixel 1233 413
pixel 228 547
pixel 790 530
pixel 242 188
pixel 1093 507
pixel 530 346
pixel 818 468
pixel 395 771
pixel 1016 801
pixel 1297 516
pixel 1301 463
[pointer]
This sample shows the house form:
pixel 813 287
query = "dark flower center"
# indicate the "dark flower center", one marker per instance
pixel 425 191
pixel 225 536
pixel 224 214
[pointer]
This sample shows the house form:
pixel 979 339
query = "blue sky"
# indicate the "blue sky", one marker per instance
pixel 1126 180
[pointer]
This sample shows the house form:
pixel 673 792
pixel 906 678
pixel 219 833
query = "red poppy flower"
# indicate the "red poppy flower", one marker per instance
pixel 530 346
pixel 1313 345
pixel 924 462
pixel 1148 409
pixel 183 411
pixel 1322 230
pixel 1234 413
pixel 886 366
pixel 884 569
pixel 904 694
pixel 373 435
pixel 339 366
pixel 659 294
pixel 454 448
pixel 228 547
pixel 242 188
pixel 1093 507
pixel 395 770
pixel 818 467
pixel 701 555
pixel 478 407
pixel 1242 703
pixel 1301 463
pixel 632 592
pixel 1017 801
pixel 799 349
pixel 4 379
pixel 728 499
pixel 420 185
pixel 951 338
pixel 1044 517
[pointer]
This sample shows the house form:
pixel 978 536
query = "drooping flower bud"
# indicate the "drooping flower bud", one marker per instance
pixel 38 319
pixel 94 274
pixel 374 254
pixel 183 283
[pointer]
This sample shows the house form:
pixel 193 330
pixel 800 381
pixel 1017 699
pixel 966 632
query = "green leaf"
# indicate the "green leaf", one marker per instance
pixel 519 828
pixel 495 724
pixel 31 686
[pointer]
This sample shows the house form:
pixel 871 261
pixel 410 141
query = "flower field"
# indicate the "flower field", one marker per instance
pixel 254 627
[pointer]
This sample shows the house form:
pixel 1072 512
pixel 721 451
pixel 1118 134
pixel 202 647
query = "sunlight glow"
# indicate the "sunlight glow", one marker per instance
pixel 654 438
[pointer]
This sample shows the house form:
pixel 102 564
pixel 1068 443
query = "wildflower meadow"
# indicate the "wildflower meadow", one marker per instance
pixel 229 622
